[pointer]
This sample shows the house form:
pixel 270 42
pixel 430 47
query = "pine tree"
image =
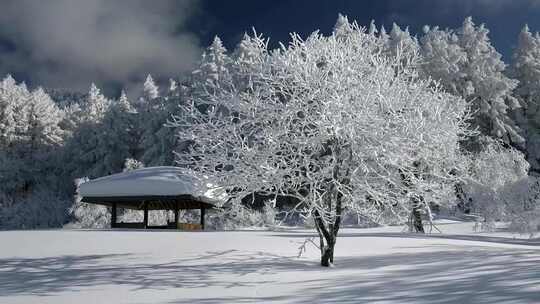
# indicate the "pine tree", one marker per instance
pixel 44 118
pixel 157 141
pixel 30 133
pixel 372 28
pixel 443 57
pixel 118 138
pixel 472 68
pixel 213 72
pixel 151 90
pixel 13 126
pixel 343 27
pixel 96 105
pixel 526 69
pixel 82 150
pixel 12 100
pixel 247 60
pixel 401 42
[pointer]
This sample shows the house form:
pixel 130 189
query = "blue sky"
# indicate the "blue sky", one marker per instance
pixel 115 43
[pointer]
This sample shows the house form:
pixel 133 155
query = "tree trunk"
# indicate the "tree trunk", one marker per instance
pixel 327 255
pixel 328 235
pixel 328 231
pixel 417 220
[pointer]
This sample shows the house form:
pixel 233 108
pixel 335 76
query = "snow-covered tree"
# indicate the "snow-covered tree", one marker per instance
pixel 117 138
pixel 82 152
pixel 30 136
pixel 43 138
pixel 12 100
pixel 12 127
pixel 132 164
pixel 29 133
pixel 467 65
pixel 246 59
pixel 214 69
pixel 343 27
pixel 157 141
pixel 493 169
pixel 522 202
pixel 332 124
pixel 151 90
pixel 44 118
pixel 526 69
pixel 401 41
pixel 95 106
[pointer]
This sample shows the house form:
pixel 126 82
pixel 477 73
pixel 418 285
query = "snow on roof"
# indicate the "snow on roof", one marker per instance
pixel 152 181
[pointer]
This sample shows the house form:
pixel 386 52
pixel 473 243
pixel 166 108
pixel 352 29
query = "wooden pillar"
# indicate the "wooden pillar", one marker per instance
pixel 145 219
pixel 113 215
pixel 176 215
pixel 202 218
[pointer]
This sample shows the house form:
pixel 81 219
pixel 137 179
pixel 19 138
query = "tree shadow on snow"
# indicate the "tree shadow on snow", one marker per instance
pixel 466 275
pixel 457 274
pixel 49 275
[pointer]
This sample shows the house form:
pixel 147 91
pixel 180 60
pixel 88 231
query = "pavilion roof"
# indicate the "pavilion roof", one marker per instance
pixel 162 186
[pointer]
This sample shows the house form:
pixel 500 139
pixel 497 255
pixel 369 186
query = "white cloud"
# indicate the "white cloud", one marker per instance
pixel 70 43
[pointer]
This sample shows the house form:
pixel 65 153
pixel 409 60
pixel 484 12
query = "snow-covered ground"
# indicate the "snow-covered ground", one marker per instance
pixel 379 265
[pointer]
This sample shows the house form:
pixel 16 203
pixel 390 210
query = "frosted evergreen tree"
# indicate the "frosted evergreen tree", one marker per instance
pixel 44 118
pixel 401 41
pixel 13 126
pixel 372 28
pixel 444 58
pixel 247 59
pixel 151 90
pixel 12 100
pixel 173 85
pixel 157 141
pixel 118 138
pixel 44 137
pixel 30 132
pixel 493 169
pixel 383 35
pixel 468 65
pixel 343 27
pixel 95 106
pixel 213 71
pixel 82 150
pixel 526 69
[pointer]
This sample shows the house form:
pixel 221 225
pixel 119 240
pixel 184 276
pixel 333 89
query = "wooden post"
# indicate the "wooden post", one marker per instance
pixel 176 215
pixel 113 215
pixel 145 220
pixel 202 218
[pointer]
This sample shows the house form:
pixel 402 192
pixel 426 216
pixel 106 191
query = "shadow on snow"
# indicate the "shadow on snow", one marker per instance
pixel 448 274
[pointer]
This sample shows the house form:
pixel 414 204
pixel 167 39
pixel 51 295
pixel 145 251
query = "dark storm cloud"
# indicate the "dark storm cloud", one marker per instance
pixel 70 43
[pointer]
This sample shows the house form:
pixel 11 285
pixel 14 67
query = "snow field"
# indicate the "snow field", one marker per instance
pixel 378 265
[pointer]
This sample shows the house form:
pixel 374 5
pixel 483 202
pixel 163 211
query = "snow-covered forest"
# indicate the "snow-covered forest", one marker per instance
pixel 367 121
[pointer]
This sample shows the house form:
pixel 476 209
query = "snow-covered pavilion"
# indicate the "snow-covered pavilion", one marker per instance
pixel 153 188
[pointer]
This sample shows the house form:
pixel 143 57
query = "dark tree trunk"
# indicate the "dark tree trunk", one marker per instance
pixel 417 220
pixel 328 235
pixel 418 204
pixel 327 241
pixel 328 232
pixel 327 256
